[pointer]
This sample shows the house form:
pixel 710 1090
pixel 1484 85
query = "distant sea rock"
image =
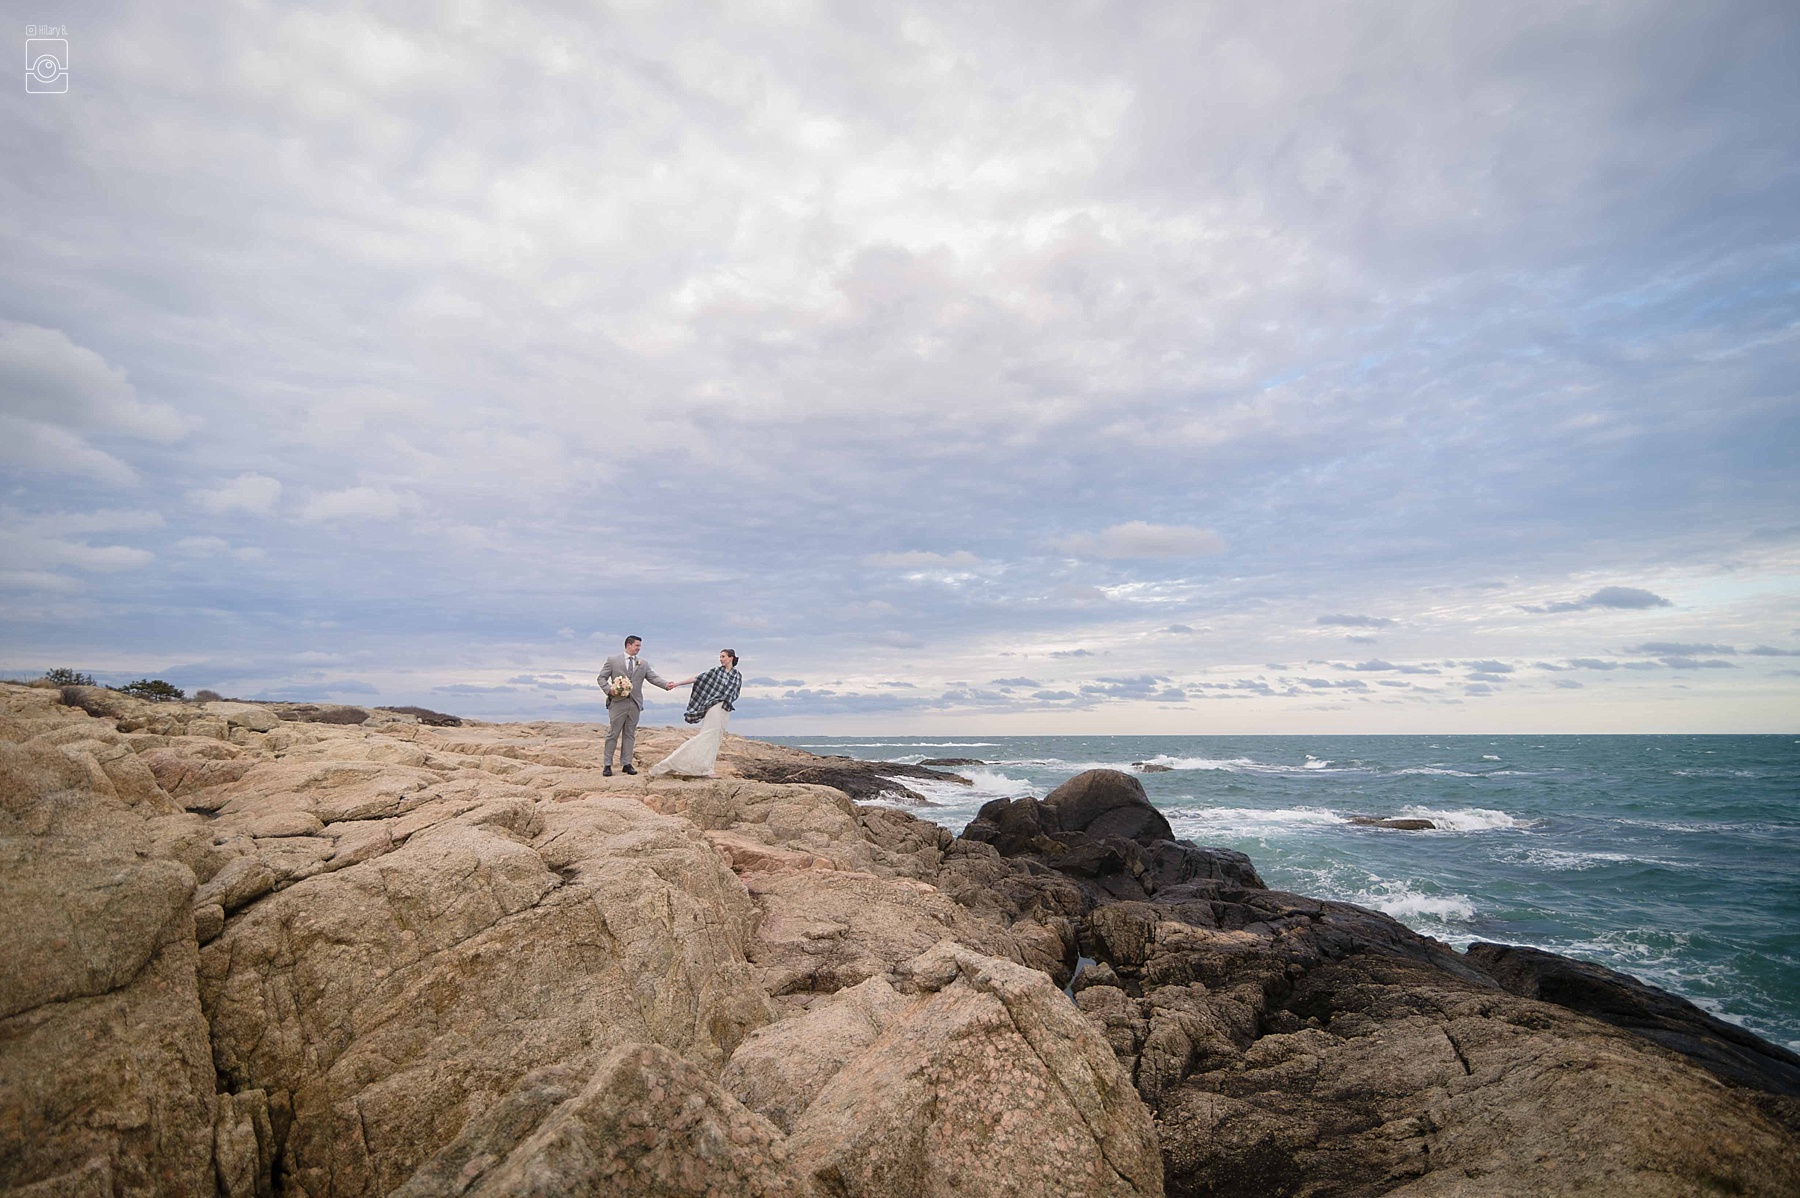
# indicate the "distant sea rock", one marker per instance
pixel 1397 823
pixel 392 958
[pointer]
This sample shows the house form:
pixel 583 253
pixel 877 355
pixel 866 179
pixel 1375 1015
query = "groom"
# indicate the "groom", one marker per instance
pixel 623 712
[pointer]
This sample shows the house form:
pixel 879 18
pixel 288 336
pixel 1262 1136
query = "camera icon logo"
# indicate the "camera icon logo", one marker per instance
pixel 47 64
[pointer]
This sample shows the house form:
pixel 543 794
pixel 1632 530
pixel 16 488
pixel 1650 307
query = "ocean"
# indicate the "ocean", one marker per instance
pixel 1672 858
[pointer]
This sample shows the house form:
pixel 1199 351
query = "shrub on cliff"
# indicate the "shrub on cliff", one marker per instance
pixel 206 696
pixel 153 689
pixel 62 677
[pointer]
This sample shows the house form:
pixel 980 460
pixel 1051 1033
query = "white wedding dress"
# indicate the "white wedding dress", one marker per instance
pixel 694 757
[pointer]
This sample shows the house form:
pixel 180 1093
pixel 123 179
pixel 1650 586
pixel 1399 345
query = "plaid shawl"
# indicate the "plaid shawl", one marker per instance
pixel 717 685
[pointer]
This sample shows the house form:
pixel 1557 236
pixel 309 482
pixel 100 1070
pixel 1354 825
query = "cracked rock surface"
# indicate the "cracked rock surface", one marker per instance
pixel 257 956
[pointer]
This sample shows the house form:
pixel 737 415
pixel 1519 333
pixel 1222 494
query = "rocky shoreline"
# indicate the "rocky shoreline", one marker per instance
pixel 256 956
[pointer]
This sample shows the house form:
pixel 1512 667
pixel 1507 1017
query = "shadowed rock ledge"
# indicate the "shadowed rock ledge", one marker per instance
pixel 253 956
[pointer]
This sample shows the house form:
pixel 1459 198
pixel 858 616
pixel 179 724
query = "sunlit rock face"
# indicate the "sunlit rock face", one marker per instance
pixel 254 955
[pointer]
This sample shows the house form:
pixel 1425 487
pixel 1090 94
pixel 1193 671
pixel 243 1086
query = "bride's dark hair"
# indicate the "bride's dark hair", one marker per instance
pixel 733 653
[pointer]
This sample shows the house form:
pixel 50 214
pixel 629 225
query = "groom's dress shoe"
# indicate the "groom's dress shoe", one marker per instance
pixel 607 772
pixel 630 769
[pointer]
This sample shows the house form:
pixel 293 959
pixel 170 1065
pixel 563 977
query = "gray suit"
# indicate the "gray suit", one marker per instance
pixel 623 712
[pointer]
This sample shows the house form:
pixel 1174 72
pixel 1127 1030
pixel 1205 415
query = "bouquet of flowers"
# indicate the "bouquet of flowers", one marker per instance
pixel 618 687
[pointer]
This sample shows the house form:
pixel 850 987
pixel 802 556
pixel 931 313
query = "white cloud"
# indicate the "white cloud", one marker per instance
pixel 1139 539
pixel 58 394
pixel 48 378
pixel 103 558
pixel 202 546
pixel 38 580
pixel 252 493
pixel 922 560
pixel 359 503
pixel 44 449
pixel 25 550
pixel 778 299
pixel 1345 621
pixel 62 524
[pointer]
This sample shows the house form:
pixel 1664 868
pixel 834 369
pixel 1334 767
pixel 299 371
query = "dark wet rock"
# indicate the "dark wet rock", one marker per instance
pixel 1107 803
pixel 320 713
pixel 1305 1071
pixel 426 716
pixel 864 781
pixel 1081 833
pixel 1729 1051
pixel 1398 824
pixel 1290 1045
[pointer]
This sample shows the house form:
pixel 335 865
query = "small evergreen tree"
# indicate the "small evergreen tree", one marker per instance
pixel 153 689
pixel 62 677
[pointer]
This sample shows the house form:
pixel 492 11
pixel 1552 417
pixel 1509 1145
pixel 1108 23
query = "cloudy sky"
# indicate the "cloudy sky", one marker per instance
pixel 992 368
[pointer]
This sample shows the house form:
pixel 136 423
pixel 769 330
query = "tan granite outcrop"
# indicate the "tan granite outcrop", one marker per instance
pixel 976 1075
pixel 263 957
pixel 106 1078
pixel 341 959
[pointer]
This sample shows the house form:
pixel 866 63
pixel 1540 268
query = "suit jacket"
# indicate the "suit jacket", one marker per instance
pixel 634 668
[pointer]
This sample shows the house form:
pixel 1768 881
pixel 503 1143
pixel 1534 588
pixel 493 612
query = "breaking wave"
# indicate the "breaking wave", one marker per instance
pixel 1467 819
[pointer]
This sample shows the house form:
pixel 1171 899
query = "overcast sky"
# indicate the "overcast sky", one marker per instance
pixel 992 368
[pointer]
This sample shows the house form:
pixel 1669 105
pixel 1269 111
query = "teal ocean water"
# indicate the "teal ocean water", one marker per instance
pixel 1673 858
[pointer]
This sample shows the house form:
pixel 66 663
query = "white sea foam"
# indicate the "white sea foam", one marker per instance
pixel 959 803
pixel 1489 757
pixel 1055 763
pixel 909 744
pixel 1441 914
pixel 1249 765
pixel 1228 764
pixel 1197 823
pixel 1414 907
pixel 1562 859
pixel 1467 819
pixel 1681 825
pixel 1436 770
pixel 990 783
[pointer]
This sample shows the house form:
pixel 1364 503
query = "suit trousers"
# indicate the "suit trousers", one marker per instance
pixel 623 721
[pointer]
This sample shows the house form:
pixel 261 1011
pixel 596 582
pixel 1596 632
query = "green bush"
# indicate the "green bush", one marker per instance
pixel 153 689
pixel 204 696
pixel 62 677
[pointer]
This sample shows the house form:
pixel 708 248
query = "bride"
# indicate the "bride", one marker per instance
pixel 713 694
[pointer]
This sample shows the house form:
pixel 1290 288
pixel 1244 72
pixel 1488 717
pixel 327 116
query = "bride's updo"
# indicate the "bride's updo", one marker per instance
pixel 734 658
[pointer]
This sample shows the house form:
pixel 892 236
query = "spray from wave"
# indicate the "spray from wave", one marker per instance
pixel 1467 819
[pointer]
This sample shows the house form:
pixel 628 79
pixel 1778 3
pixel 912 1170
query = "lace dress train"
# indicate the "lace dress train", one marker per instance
pixel 695 756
